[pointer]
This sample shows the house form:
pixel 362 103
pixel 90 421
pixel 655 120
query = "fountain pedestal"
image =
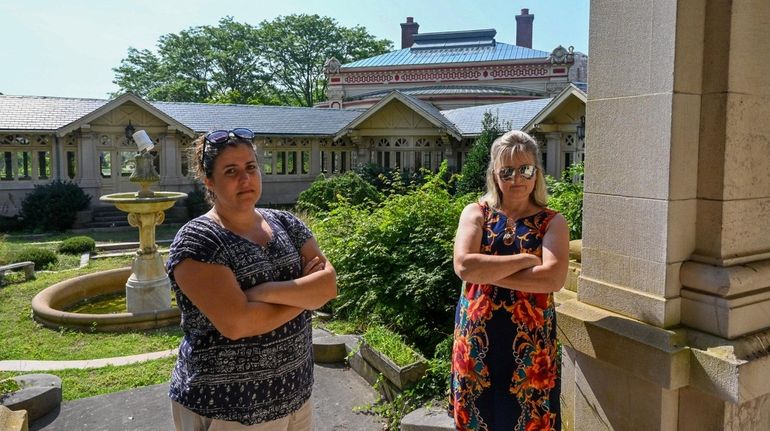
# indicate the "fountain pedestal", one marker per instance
pixel 148 287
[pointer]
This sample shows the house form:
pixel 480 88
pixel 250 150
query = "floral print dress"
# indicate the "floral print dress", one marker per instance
pixel 505 374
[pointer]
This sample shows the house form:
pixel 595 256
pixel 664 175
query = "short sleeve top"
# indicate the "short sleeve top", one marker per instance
pixel 253 379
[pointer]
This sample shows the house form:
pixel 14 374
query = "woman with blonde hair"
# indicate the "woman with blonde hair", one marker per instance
pixel 512 252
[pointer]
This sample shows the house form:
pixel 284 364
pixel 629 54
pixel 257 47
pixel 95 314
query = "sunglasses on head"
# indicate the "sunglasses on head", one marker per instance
pixel 524 171
pixel 219 137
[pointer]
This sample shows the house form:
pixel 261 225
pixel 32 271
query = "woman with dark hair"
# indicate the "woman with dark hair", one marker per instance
pixel 512 252
pixel 244 279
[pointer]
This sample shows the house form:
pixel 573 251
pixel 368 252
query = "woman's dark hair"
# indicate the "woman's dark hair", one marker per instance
pixel 203 164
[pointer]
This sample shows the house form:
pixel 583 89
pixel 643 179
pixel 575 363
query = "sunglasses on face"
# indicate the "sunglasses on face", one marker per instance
pixel 524 171
pixel 219 137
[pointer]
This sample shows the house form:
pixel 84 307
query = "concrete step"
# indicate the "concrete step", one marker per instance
pixel 103 218
pixel 106 224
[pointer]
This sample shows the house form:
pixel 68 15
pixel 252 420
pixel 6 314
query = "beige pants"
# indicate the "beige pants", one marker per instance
pixel 186 420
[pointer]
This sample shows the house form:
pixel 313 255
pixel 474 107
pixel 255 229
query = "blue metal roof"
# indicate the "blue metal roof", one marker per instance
pixel 409 56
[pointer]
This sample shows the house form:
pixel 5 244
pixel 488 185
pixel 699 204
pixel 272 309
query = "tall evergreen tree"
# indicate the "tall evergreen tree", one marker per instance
pixel 473 175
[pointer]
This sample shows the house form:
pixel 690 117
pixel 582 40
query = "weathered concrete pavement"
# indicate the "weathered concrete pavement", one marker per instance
pixel 337 390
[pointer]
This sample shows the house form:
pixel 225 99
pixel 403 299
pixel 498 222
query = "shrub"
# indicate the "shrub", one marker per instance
pixel 9 224
pixel 53 206
pixel 196 202
pixel 474 173
pixel 77 245
pixel 395 260
pixel 42 257
pixel 566 196
pixel 325 193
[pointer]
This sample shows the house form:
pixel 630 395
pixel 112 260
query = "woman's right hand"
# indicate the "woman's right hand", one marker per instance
pixel 314 265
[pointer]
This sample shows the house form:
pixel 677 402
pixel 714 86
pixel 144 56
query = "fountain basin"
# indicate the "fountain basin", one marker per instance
pixel 132 203
pixel 48 306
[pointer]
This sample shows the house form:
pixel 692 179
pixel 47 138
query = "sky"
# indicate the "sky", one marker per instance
pixel 68 48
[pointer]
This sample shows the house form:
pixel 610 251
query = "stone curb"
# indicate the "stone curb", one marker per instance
pixel 427 419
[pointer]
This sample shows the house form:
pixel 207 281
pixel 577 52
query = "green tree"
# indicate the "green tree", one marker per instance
pixel 278 62
pixel 473 175
pixel 218 64
pixel 296 47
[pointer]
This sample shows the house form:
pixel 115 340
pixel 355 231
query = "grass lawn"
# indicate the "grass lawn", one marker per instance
pixel 23 338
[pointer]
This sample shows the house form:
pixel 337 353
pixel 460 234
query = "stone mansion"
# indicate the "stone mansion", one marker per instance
pixel 408 109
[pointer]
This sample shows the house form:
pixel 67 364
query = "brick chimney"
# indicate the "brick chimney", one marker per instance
pixel 523 28
pixel 408 30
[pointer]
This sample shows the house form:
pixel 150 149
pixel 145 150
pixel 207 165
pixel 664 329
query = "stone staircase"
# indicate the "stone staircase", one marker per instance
pixel 107 216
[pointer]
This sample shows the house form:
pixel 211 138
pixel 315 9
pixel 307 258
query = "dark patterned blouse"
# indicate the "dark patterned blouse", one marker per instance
pixel 254 379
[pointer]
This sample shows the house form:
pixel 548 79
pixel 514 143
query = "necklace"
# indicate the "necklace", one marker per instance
pixel 510 231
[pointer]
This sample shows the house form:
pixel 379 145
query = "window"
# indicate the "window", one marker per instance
pixel 71 165
pixel 293 163
pixel 267 163
pixel 6 168
pixel 184 163
pixel 305 162
pixel 24 165
pixel 44 165
pixel 280 162
pixel 105 164
pixel 127 163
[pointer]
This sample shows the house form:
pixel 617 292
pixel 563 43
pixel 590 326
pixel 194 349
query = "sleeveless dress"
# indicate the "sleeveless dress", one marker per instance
pixel 505 371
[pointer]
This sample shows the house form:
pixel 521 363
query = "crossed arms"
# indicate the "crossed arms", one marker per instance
pixel 258 310
pixel 525 272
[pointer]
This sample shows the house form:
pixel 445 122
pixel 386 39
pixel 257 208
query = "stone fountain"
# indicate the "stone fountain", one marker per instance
pixel 148 289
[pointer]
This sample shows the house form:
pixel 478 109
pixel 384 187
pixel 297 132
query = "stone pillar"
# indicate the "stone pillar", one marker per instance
pixel 88 164
pixel 676 245
pixel 171 166
pixel 553 154
pixel 449 152
pixel 315 158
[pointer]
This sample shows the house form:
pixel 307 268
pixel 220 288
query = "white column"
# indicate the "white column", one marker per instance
pixel 553 154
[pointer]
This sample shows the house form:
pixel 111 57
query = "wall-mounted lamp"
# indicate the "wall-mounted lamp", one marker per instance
pixel 129 131
pixel 581 128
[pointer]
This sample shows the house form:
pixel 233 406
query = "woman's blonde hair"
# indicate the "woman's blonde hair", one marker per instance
pixel 511 144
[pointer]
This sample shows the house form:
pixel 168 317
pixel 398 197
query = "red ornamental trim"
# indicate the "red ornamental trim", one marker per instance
pixel 454 74
pixel 334 79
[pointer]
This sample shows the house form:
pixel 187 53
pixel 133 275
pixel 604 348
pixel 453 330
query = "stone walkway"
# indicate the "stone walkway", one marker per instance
pixel 23 365
pixel 336 392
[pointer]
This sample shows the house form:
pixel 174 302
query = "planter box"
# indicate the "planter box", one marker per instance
pixel 400 377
